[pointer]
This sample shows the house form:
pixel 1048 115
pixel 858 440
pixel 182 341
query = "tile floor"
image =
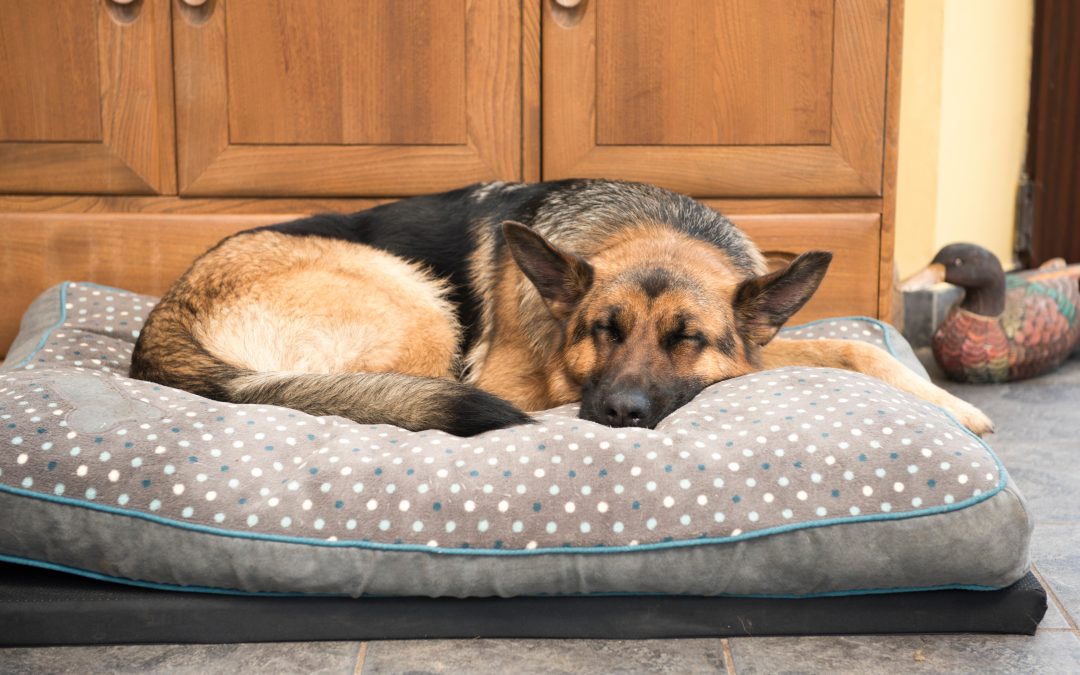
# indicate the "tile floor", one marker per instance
pixel 1038 439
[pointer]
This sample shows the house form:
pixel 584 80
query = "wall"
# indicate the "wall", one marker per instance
pixel 963 125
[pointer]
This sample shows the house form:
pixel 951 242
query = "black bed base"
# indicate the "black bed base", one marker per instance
pixel 41 607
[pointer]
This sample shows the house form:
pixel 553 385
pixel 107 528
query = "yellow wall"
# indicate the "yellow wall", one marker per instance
pixel 963 125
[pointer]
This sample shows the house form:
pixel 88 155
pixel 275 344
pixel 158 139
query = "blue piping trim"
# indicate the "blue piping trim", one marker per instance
pixel 374 546
pixel 62 320
pixel 205 529
pixel 48 334
pixel 18 560
pixel 885 328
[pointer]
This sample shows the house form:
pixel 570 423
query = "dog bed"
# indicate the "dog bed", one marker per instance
pixel 793 483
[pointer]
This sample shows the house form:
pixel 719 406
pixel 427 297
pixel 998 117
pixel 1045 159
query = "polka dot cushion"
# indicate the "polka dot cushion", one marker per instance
pixel 797 481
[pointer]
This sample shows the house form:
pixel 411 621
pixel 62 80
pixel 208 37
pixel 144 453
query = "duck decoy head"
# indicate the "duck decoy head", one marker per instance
pixel 969 266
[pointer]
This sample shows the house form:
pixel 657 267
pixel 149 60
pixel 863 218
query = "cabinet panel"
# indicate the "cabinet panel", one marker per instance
pixel 362 97
pixel 699 72
pixel 49 80
pixel 718 98
pixel 391 71
pixel 86 97
pixel 851 284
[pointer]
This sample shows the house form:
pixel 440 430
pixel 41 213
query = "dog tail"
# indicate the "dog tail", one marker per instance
pixel 177 359
pixel 406 401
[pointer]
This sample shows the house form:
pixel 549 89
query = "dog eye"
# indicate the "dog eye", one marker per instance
pixel 675 339
pixel 608 331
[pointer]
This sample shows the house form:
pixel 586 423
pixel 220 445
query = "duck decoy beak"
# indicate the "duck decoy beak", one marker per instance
pixel 933 273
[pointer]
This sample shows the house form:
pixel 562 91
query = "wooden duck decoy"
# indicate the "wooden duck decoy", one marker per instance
pixel 1008 326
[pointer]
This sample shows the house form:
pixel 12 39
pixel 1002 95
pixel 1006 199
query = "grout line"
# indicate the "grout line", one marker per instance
pixel 361 654
pixel 1054 598
pixel 729 658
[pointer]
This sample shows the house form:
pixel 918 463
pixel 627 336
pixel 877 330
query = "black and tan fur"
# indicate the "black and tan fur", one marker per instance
pixel 460 310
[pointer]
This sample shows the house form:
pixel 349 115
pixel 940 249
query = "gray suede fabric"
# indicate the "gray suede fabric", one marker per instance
pixel 43 314
pixel 983 545
pixel 789 482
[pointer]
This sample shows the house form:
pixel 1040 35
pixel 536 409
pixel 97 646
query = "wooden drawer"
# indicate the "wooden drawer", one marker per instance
pixel 137 252
pixel 146 252
pixel 851 285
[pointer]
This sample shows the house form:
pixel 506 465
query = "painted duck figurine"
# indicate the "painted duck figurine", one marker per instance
pixel 1008 326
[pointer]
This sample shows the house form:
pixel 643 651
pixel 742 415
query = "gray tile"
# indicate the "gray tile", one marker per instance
pixel 1042 408
pixel 1046 652
pixel 545 656
pixel 1054 619
pixel 1047 473
pixel 1055 548
pixel 288 657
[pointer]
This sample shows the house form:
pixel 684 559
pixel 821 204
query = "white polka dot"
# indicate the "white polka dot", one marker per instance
pixel 669 502
pixel 403 505
pixel 867 490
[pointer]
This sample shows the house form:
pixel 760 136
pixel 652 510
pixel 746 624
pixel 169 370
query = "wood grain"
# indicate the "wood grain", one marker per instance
pixel 851 284
pixel 145 252
pixel 886 286
pixel 214 164
pixel 1053 163
pixel 139 253
pixel 530 90
pixel 379 72
pixel 117 204
pixel 703 72
pixel 849 165
pixel 131 148
pixel 48 71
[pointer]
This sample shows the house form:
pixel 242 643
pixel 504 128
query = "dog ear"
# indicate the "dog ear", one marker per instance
pixel 561 278
pixel 763 304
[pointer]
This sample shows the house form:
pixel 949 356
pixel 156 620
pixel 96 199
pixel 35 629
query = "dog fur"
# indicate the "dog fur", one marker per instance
pixel 459 311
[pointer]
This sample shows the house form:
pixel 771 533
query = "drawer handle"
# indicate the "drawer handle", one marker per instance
pixel 568 13
pixel 197 12
pixel 124 11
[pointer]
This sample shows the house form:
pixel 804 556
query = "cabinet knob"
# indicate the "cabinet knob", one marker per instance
pixel 194 3
pixel 568 4
pixel 122 2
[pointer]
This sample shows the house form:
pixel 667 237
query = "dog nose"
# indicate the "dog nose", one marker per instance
pixel 627 408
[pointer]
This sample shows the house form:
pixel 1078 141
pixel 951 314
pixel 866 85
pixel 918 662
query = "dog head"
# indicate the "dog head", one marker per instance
pixel 656 316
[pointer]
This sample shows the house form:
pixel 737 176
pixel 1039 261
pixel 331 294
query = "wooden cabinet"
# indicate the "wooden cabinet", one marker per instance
pixel 86 97
pixel 853 238
pixel 719 97
pixel 169 123
pixel 340 97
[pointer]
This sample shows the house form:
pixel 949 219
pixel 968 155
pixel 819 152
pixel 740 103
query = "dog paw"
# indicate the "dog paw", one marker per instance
pixel 970 416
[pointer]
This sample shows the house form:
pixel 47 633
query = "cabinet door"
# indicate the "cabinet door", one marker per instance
pixel 86 97
pixel 850 286
pixel 346 97
pixel 718 97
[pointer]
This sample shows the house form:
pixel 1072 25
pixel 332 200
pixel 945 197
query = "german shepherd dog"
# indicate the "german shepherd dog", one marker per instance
pixel 459 311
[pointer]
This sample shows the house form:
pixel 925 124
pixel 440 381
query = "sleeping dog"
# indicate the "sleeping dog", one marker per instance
pixel 459 311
